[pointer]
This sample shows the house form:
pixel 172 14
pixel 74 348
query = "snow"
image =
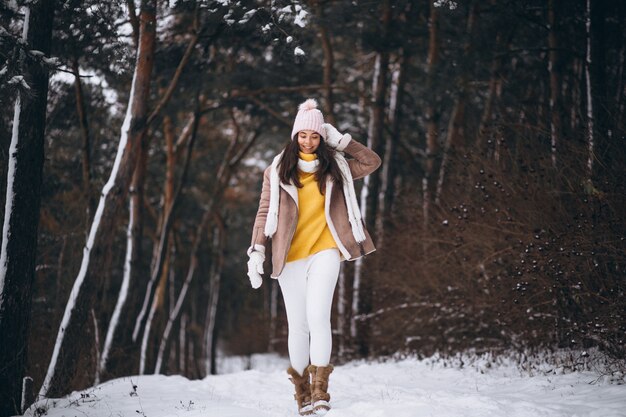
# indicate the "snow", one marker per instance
pixel 247 16
pixel 452 5
pixel 19 79
pixel 403 388
pixel 300 18
pixel 295 11
pixel 298 51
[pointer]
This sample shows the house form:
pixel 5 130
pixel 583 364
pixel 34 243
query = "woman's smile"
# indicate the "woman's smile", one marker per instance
pixel 308 140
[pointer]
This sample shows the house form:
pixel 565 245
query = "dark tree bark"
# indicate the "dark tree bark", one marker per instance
pixel 432 114
pixel 19 245
pixel 86 137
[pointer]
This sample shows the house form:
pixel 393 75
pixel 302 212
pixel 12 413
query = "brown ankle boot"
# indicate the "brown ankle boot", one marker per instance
pixel 303 390
pixel 319 388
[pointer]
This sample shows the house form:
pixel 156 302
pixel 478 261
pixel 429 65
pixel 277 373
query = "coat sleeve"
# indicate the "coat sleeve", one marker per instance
pixel 258 236
pixel 365 160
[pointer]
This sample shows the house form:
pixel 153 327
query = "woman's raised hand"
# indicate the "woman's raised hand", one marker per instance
pixel 335 139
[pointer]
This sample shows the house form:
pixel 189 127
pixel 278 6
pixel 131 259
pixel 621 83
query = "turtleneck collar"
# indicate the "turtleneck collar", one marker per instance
pixel 308 156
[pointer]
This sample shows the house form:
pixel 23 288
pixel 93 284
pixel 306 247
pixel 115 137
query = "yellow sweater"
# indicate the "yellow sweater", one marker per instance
pixel 312 233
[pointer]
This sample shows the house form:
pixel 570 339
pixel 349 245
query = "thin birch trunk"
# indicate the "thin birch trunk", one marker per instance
pixel 590 118
pixel 182 339
pixel 605 142
pixel 385 196
pixel 620 91
pixel 375 137
pixel 555 81
pixel 154 307
pixel 432 115
pixel 96 342
pixel 177 307
pixel 134 235
pixel 61 369
pixel 158 303
pixel 122 296
pixel 219 243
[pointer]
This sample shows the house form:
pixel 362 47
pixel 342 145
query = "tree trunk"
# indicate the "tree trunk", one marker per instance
pixel 21 215
pixel 84 133
pixel 590 112
pixel 432 114
pixel 606 142
pixel 219 245
pixel 389 163
pixel 158 304
pixel 67 346
pixel 456 125
pixel 182 343
pixel 554 68
pixel 134 236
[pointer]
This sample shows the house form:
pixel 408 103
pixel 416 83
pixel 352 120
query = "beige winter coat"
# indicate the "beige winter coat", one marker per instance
pixel 364 162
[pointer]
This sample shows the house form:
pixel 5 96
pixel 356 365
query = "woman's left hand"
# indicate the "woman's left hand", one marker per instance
pixel 334 139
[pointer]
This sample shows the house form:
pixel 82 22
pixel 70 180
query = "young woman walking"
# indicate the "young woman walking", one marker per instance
pixel 309 210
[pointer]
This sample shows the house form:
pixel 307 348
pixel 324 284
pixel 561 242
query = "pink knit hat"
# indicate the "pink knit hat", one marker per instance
pixel 309 118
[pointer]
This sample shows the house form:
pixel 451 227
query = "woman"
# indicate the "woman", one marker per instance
pixel 309 209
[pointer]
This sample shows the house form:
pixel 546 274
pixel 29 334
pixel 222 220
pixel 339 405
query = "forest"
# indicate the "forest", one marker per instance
pixel 134 135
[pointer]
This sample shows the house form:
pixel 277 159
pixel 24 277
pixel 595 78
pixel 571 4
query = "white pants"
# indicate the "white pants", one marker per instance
pixel 308 285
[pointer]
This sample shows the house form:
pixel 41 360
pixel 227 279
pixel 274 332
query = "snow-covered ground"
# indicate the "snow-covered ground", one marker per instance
pixel 403 388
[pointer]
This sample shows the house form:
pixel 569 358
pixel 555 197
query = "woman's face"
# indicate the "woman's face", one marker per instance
pixel 308 140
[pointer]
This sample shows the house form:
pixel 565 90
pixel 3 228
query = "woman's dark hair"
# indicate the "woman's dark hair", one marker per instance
pixel 288 167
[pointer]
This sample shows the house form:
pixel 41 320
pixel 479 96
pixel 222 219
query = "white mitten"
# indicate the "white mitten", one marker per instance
pixel 334 139
pixel 255 265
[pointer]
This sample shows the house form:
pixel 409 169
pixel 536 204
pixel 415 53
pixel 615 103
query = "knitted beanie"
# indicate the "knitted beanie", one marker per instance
pixel 309 118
